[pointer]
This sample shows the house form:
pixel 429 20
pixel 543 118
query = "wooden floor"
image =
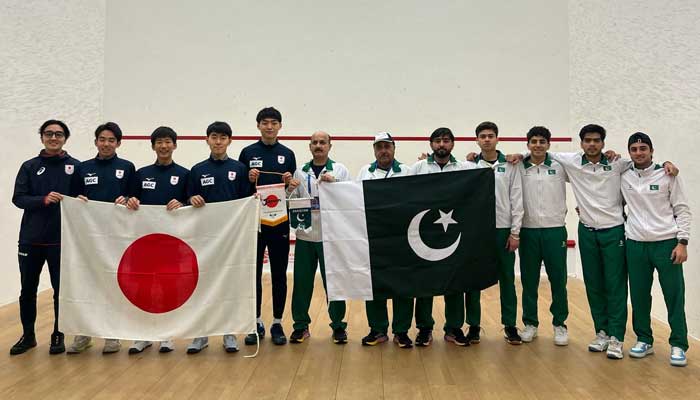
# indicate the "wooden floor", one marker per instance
pixel 319 369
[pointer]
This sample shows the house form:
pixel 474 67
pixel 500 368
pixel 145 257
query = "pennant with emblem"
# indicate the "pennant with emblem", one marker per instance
pixel 300 214
pixel 274 204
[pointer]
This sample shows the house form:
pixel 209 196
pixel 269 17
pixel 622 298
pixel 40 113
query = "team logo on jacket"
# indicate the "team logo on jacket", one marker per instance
pixel 174 180
pixel 280 159
pixel 232 175
pixel 206 180
pixel 500 169
pixel 41 170
pixel 256 163
pixel 91 179
pixel 119 173
pixel 69 169
pixel 149 183
pixel 607 168
pixel 552 171
pixel 653 187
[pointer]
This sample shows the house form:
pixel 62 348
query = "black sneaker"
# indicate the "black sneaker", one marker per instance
pixel 277 334
pixel 403 341
pixel 57 344
pixel 473 336
pixel 424 337
pixel 251 339
pixel 511 335
pixel 340 336
pixel 23 344
pixel 299 335
pixel 374 338
pixel 457 337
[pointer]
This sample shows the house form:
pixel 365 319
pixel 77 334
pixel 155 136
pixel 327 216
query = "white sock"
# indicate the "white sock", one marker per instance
pixel 277 321
pixel 259 320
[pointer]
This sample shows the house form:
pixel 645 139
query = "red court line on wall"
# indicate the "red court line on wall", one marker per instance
pixel 348 138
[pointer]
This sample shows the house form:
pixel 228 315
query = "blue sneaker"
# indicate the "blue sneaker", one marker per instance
pixel 678 357
pixel 641 350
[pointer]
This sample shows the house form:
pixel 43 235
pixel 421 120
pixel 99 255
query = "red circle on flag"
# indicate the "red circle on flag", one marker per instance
pixel 272 201
pixel 158 273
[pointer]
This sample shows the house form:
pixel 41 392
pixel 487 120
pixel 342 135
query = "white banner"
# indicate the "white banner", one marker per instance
pixel 153 274
pixel 274 204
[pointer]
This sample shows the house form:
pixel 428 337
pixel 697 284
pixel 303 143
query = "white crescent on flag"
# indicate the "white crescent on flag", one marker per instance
pixel 153 274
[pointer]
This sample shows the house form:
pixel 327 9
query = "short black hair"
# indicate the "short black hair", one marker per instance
pixel 219 127
pixel 162 132
pixel 63 126
pixel 486 125
pixel 539 131
pixel 440 132
pixel 112 127
pixel 592 128
pixel 269 112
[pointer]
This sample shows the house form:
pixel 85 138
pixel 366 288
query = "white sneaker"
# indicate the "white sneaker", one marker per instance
pixel 80 343
pixel 678 358
pixel 166 346
pixel 600 343
pixel 561 336
pixel 111 346
pixel 615 349
pixel 641 350
pixel 197 345
pixel 529 333
pixel 230 344
pixel 139 346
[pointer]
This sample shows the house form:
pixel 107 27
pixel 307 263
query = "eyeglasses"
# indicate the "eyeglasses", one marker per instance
pixel 50 134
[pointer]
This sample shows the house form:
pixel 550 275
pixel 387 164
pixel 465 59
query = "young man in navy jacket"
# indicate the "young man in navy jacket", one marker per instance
pixel 162 183
pixel 269 155
pixel 105 178
pixel 40 185
pixel 218 178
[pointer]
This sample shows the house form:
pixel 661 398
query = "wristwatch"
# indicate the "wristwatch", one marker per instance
pixel 683 242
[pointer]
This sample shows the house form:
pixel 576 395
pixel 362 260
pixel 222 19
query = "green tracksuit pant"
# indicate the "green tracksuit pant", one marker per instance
pixel 378 316
pixel 307 255
pixel 605 276
pixel 548 245
pixel 642 259
pixel 468 305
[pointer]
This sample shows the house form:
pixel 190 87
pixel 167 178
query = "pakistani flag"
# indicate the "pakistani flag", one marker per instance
pixel 413 236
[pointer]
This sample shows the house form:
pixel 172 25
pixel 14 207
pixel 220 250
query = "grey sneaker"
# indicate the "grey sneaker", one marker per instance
pixel 166 346
pixel 529 333
pixel 678 358
pixel 139 346
pixel 561 336
pixel 111 346
pixel 230 344
pixel 80 343
pixel 197 345
pixel 600 343
pixel 615 349
pixel 641 350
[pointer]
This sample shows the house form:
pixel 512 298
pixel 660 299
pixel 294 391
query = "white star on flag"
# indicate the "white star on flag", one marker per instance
pixel 445 219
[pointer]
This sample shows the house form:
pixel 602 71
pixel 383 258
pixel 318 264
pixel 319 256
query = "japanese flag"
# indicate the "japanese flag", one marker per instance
pixel 153 274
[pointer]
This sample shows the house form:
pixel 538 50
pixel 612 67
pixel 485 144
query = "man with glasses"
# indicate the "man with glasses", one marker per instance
pixel 39 187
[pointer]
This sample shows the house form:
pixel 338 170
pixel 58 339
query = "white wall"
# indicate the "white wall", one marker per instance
pixel 51 66
pixel 634 67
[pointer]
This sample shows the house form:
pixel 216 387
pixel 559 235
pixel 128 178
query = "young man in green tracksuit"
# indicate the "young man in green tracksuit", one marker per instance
pixel 658 230
pixel 543 235
pixel 386 166
pixel 308 250
pixel 509 216
pixel 441 160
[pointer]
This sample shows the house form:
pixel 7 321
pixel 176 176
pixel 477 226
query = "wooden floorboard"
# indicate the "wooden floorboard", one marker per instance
pixel 319 369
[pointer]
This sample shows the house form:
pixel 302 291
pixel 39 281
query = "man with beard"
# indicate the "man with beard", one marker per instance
pixel 386 166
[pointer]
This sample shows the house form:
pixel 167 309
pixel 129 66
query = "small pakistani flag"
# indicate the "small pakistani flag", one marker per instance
pixel 300 214
pixel 412 236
